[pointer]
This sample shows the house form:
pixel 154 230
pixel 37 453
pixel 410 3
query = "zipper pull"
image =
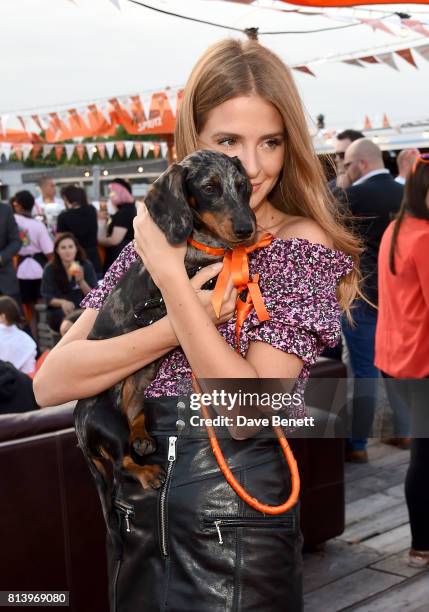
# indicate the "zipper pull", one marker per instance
pixel 172 448
pixel 127 521
pixel 217 525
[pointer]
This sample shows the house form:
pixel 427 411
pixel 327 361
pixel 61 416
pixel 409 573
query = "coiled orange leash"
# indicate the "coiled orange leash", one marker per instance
pixel 236 265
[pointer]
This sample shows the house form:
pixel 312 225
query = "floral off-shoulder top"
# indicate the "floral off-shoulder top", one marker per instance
pixel 298 282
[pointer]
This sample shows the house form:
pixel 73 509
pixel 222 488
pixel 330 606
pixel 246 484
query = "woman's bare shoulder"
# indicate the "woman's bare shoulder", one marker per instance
pixel 308 229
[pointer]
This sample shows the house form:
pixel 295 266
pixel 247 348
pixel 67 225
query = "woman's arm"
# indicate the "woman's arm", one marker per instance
pixel 118 234
pixel 77 367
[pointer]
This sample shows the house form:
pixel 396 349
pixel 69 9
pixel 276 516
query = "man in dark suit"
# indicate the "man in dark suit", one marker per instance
pixel 10 243
pixel 374 198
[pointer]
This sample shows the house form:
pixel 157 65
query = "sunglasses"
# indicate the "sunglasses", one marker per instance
pixel 423 158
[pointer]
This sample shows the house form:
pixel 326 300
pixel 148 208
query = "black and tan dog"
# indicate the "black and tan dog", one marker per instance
pixel 206 196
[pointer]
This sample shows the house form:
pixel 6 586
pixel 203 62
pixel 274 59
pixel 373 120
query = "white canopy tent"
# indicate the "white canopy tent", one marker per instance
pixel 58 53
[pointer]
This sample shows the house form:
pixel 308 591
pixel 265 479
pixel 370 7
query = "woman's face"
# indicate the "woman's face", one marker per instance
pixel 67 250
pixel 251 129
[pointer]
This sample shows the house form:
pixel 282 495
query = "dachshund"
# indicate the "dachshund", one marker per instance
pixel 207 196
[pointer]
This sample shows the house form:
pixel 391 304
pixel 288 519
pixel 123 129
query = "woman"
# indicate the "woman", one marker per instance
pixel 241 100
pixel 401 346
pixel 80 218
pixel 16 346
pixel 67 279
pixel 117 231
pixel 37 247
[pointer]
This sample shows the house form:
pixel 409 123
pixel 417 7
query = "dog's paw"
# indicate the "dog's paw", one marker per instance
pixel 157 477
pixel 144 446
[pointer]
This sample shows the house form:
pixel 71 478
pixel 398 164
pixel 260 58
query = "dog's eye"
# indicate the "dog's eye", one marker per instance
pixel 209 189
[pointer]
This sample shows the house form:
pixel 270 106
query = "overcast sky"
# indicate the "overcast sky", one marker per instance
pixel 60 52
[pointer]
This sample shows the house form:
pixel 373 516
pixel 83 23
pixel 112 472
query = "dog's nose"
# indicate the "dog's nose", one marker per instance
pixel 243 231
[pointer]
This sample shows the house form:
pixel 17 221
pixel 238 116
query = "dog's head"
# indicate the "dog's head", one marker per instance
pixel 207 190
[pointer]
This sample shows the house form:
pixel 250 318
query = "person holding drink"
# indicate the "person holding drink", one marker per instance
pixel 67 279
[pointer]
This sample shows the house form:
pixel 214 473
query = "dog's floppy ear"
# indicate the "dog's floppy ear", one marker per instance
pixel 167 205
pixel 237 163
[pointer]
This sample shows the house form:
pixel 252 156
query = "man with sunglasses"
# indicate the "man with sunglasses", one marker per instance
pixel 343 141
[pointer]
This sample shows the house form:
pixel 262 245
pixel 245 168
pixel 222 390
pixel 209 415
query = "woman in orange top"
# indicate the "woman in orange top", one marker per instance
pixel 401 345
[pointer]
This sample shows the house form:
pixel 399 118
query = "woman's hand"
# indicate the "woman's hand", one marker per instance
pixel 79 274
pixel 205 296
pixel 161 260
pixel 67 307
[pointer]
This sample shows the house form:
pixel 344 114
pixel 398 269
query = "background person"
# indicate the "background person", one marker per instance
pixel 47 205
pixel 37 247
pixel 402 347
pixel 373 198
pixel 10 243
pixel 342 142
pixel 66 280
pixel 16 390
pixel 405 161
pixel 240 100
pixel 117 231
pixel 80 218
pixel 15 345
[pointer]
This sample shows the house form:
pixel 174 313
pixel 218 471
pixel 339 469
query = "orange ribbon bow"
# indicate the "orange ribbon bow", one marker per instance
pixel 236 265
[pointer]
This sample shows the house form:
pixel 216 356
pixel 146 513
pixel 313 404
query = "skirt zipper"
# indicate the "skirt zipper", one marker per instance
pixel 126 510
pixel 248 522
pixel 163 497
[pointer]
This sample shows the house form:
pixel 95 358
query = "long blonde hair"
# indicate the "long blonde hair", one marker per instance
pixel 232 68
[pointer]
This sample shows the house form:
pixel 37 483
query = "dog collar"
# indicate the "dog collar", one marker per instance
pixel 236 266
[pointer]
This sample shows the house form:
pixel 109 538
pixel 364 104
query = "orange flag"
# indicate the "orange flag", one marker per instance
pixel 407 56
pixel 37 149
pixel 367 124
pixel 369 59
pixel 101 148
pixel 17 149
pixel 80 151
pixel 59 150
pixel 304 69
pixel 138 147
pixel 120 147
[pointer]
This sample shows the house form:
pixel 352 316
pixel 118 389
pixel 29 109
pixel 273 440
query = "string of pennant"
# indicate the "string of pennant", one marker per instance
pixel 155 113
pixel 386 57
pixel 105 150
pixel 140 114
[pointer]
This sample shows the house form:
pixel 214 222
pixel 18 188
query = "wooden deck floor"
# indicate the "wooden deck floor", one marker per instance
pixel 365 569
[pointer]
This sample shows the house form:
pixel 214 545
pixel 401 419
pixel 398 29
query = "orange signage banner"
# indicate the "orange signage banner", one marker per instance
pixel 323 3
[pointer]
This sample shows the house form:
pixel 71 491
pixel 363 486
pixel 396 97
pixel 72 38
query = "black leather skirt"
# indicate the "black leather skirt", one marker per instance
pixel 194 545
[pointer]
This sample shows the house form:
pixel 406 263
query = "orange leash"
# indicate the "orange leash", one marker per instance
pixel 236 265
